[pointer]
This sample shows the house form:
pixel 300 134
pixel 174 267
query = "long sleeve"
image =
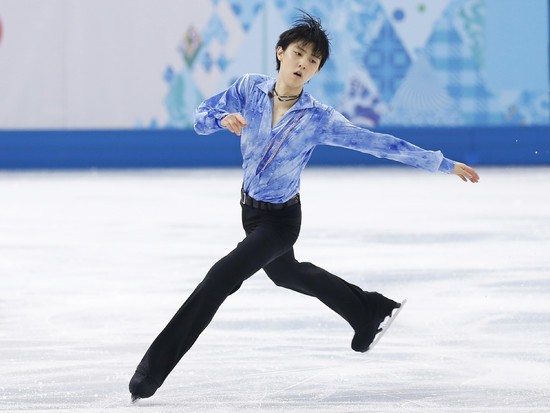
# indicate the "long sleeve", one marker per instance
pixel 338 131
pixel 208 115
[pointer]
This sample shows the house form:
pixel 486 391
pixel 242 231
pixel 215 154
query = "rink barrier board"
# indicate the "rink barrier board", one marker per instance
pixel 172 148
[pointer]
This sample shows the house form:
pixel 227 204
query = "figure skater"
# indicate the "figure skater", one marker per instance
pixel 279 124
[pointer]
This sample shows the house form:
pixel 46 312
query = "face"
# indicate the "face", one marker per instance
pixel 298 64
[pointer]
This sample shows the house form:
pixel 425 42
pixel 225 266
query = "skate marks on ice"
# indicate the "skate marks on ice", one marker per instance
pixel 94 264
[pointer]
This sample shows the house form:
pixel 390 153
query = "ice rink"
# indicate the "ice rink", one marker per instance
pixel 93 264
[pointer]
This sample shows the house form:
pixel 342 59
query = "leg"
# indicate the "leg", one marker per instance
pixel 265 241
pixel 363 310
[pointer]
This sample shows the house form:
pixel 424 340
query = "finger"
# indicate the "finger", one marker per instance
pixel 236 130
pixel 475 176
pixel 467 173
pixel 240 119
pixel 232 125
pixel 229 119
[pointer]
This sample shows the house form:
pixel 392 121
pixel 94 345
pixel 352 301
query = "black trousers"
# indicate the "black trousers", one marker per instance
pixel 270 236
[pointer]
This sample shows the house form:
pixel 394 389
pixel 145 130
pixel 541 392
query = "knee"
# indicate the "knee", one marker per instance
pixel 297 276
pixel 279 278
pixel 235 288
pixel 276 273
pixel 223 279
pixel 286 276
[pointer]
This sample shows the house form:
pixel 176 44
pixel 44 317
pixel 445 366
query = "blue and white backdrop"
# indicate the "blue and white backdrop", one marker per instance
pixel 146 64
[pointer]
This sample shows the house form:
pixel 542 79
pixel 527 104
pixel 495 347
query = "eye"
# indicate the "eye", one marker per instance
pixel 298 53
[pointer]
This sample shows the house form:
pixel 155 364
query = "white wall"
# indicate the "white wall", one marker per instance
pixel 88 63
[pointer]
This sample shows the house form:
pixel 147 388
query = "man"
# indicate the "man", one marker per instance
pixel 280 124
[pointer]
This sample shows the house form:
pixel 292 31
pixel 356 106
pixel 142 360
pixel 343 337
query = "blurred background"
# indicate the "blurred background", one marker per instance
pixel 113 84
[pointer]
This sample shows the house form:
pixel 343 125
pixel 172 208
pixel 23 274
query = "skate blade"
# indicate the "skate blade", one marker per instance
pixel 387 325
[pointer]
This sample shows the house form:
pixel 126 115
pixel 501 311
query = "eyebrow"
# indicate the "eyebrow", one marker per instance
pixel 305 51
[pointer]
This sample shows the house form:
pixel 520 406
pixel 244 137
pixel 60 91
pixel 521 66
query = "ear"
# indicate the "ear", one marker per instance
pixel 280 53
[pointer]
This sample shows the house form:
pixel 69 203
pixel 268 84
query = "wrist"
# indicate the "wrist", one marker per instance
pixel 447 166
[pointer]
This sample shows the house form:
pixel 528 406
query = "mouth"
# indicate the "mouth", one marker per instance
pixel 299 74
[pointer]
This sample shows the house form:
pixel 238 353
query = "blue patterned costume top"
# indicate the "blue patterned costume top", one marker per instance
pixel 273 158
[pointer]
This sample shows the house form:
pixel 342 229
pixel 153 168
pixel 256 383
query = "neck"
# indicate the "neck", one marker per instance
pixel 285 90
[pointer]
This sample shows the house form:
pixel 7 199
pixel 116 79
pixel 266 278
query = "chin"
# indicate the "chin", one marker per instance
pixel 297 81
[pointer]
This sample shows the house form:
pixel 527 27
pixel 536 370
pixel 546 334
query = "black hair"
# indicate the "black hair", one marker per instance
pixel 306 29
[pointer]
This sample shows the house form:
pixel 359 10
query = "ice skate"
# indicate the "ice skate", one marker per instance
pixel 385 326
pixel 383 308
pixel 141 387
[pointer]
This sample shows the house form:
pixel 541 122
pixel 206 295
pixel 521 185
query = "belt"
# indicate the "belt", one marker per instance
pixel 248 200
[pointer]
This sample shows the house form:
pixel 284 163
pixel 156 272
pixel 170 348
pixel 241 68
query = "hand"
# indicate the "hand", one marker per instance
pixel 234 122
pixel 465 173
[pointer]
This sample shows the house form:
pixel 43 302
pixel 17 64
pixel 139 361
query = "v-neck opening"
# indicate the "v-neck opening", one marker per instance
pixel 278 123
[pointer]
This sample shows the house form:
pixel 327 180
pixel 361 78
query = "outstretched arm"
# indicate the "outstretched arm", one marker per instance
pixel 340 132
pixel 465 172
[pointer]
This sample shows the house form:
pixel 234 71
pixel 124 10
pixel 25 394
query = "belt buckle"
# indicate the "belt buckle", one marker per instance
pixel 243 198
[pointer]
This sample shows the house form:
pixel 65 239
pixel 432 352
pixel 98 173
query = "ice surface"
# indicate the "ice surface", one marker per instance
pixel 93 265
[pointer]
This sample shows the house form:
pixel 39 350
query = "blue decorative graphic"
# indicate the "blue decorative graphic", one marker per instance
pixel 169 74
pixel 364 23
pixel 422 99
pixel 246 11
pixel 360 104
pixel 533 108
pixel 373 77
pixel 472 17
pixel 215 29
pixel 387 61
pixel 222 62
pixel 454 62
pixel 181 100
pixel 207 61
pixel 398 14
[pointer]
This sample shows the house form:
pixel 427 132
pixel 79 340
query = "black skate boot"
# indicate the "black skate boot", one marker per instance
pixel 141 386
pixel 370 333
